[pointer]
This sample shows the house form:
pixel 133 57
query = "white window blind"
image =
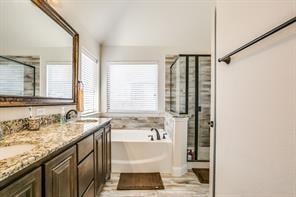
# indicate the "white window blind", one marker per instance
pixel 12 79
pixel 59 80
pixel 133 88
pixel 89 79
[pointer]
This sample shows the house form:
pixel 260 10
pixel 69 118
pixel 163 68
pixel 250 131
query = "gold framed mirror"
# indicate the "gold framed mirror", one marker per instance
pixel 39 56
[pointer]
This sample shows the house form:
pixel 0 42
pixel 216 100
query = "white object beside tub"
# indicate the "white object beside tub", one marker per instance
pixel 133 151
pixel 177 127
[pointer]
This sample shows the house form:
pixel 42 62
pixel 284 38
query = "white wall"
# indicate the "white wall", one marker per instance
pixel 142 54
pixel 256 101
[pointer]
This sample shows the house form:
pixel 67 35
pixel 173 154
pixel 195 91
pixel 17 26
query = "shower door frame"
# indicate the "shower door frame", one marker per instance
pixel 197 106
pixel 196 97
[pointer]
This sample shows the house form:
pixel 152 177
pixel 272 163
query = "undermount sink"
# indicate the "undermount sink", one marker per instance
pixel 86 121
pixel 11 151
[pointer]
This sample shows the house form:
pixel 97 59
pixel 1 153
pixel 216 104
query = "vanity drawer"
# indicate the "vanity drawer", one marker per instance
pixel 90 192
pixel 85 173
pixel 85 146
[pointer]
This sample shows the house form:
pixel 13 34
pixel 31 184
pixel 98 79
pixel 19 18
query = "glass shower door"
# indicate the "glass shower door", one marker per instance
pixel 203 108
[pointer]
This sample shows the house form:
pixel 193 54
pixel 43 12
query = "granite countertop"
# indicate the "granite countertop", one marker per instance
pixel 46 141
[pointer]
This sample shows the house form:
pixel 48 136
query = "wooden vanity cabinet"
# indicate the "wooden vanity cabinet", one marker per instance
pixel 61 175
pixel 99 160
pixel 79 171
pixel 107 155
pixel 27 186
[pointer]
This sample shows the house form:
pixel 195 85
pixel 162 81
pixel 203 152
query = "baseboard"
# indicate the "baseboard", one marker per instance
pixel 179 171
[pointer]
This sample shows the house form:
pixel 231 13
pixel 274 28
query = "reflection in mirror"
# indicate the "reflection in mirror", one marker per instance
pixel 17 78
pixel 179 86
pixel 35 53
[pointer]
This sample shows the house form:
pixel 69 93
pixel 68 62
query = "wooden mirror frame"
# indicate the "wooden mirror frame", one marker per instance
pixel 22 101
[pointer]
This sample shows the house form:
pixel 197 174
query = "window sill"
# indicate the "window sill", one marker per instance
pixel 88 114
pixel 129 114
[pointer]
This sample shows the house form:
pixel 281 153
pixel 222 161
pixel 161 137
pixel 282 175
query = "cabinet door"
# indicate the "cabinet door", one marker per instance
pixel 27 186
pixel 61 175
pixel 99 159
pixel 85 173
pixel 107 146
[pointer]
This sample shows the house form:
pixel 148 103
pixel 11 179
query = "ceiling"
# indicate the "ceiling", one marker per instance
pixel 141 22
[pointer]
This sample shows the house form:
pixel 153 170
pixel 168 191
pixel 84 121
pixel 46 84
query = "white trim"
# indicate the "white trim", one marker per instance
pixel 178 171
pixel 89 55
pixel 133 62
pixel 89 114
pixel 123 114
pixel 191 165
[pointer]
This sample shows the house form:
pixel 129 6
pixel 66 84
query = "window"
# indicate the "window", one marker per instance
pixel 12 79
pixel 89 79
pixel 132 88
pixel 59 80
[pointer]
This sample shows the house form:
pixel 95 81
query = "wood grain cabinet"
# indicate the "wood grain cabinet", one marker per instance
pixel 27 186
pixel 90 192
pixel 61 175
pixel 102 144
pixel 79 171
pixel 99 160
pixel 107 147
pixel 85 174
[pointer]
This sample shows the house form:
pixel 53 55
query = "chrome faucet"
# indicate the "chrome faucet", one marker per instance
pixel 71 114
pixel 157 133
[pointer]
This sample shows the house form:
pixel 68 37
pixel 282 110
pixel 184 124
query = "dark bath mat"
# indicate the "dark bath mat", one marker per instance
pixel 140 181
pixel 202 174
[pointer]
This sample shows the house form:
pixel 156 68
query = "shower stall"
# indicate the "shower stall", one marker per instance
pixel 190 95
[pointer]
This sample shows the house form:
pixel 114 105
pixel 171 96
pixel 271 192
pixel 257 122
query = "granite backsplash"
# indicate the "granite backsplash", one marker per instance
pixel 12 126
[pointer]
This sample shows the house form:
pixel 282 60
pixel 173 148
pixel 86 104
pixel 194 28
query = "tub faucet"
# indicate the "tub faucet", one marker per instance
pixel 157 133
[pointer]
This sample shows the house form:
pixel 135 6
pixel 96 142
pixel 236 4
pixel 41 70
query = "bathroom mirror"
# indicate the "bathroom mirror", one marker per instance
pixel 38 55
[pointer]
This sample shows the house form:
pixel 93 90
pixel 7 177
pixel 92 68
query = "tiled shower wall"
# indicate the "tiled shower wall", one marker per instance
pixel 191 103
pixel 204 101
pixel 169 60
pixel 28 74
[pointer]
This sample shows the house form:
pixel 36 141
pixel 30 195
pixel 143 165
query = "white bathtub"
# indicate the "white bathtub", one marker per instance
pixel 133 151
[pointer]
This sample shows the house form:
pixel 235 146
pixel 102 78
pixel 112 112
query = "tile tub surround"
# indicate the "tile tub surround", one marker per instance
pixel 12 126
pixel 185 186
pixel 134 122
pixel 46 141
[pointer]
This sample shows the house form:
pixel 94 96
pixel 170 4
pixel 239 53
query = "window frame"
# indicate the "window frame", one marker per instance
pixel 157 111
pixel 95 60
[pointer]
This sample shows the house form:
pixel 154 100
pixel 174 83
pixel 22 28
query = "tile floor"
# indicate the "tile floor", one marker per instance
pixel 185 186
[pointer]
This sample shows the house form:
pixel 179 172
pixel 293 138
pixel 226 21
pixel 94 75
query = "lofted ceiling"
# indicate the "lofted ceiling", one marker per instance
pixel 141 22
